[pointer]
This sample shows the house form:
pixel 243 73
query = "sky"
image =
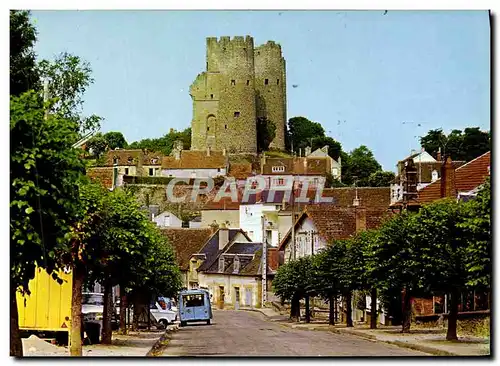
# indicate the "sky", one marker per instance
pixel 374 79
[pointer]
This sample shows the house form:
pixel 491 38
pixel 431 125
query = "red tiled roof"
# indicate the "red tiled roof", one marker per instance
pixel 336 223
pixel 125 157
pixel 186 242
pixel 103 175
pixel 467 177
pixel 240 170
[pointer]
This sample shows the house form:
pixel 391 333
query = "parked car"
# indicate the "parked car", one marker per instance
pixel 194 306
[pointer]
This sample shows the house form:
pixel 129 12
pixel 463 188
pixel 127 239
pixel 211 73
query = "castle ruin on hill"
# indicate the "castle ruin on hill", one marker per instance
pixel 241 84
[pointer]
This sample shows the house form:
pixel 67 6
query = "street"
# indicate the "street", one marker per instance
pixel 246 333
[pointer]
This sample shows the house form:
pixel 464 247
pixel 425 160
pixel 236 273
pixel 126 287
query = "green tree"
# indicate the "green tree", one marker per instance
pixel 396 262
pixel 23 72
pixel 359 166
pixel 266 132
pixel 293 281
pixel 97 145
pixel 301 130
pixel 68 78
pixel 460 145
pixel 476 225
pixel 44 170
pixel 164 144
pixel 115 140
pixel 334 147
pixel 443 251
pixel 381 179
pixel 327 274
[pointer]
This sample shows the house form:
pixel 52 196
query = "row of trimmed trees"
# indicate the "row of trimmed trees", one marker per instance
pixel 443 248
pixel 58 218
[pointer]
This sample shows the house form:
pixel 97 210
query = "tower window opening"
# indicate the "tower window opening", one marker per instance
pixel 277 81
pixel 266 81
pixel 225 126
pixel 233 82
pixel 236 114
pixel 211 96
pixel 248 82
pixel 208 128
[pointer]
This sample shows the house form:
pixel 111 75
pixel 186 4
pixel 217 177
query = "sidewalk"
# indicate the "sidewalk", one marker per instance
pixel 432 341
pixel 131 345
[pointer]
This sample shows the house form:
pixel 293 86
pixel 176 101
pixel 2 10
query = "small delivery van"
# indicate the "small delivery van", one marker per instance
pixel 194 306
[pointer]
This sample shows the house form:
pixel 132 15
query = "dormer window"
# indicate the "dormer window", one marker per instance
pixel 115 160
pixel 154 161
pixel 278 169
pixel 221 264
pixel 236 265
pixel 434 175
pixel 130 160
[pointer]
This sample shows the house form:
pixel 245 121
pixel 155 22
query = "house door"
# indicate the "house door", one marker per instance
pixel 221 297
pixel 248 297
pixel 236 298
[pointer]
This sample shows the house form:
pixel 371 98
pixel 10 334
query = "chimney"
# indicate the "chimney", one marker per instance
pixel 223 236
pixel 448 188
pixel 177 154
pixel 214 227
pixel 224 152
pixel 360 219
pixel 438 158
pixel 308 150
pixel 300 151
pixel 208 150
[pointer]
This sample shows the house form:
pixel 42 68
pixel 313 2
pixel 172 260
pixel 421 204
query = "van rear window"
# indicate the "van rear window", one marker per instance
pixel 193 300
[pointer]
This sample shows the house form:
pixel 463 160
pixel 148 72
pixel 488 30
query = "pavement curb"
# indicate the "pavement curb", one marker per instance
pixel 162 343
pixel 416 347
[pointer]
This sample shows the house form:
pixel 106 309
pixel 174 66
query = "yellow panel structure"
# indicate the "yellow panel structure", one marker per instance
pixel 48 307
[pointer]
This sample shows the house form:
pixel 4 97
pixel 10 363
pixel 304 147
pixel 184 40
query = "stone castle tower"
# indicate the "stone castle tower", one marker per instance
pixel 241 84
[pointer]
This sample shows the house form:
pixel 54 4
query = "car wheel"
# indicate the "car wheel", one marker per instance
pixel 183 324
pixel 208 322
pixel 164 322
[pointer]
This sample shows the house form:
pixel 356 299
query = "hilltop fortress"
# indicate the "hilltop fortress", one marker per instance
pixel 241 84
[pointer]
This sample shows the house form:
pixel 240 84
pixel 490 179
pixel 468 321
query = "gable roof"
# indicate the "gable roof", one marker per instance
pixel 186 242
pixel 125 157
pixel 211 248
pixel 467 177
pixel 192 159
pixel 337 223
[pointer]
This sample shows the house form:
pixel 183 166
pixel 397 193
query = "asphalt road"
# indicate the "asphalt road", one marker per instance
pixel 245 333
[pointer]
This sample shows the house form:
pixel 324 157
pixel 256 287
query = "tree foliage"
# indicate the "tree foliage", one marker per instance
pixel 44 170
pixel 115 140
pixel 164 144
pixel 23 72
pixel 68 78
pixel 97 145
pixel 266 132
pixel 358 167
pixel 460 145
pixel 381 179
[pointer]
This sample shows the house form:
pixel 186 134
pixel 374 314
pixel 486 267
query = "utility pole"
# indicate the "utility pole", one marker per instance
pixel 264 262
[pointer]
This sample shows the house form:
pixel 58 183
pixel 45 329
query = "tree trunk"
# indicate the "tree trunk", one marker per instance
pixel 406 311
pixel 373 309
pixel 123 310
pixel 295 308
pixel 137 311
pixel 308 310
pixel 451 334
pixel 75 348
pixel 107 332
pixel 348 301
pixel 331 313
pixel 16 345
